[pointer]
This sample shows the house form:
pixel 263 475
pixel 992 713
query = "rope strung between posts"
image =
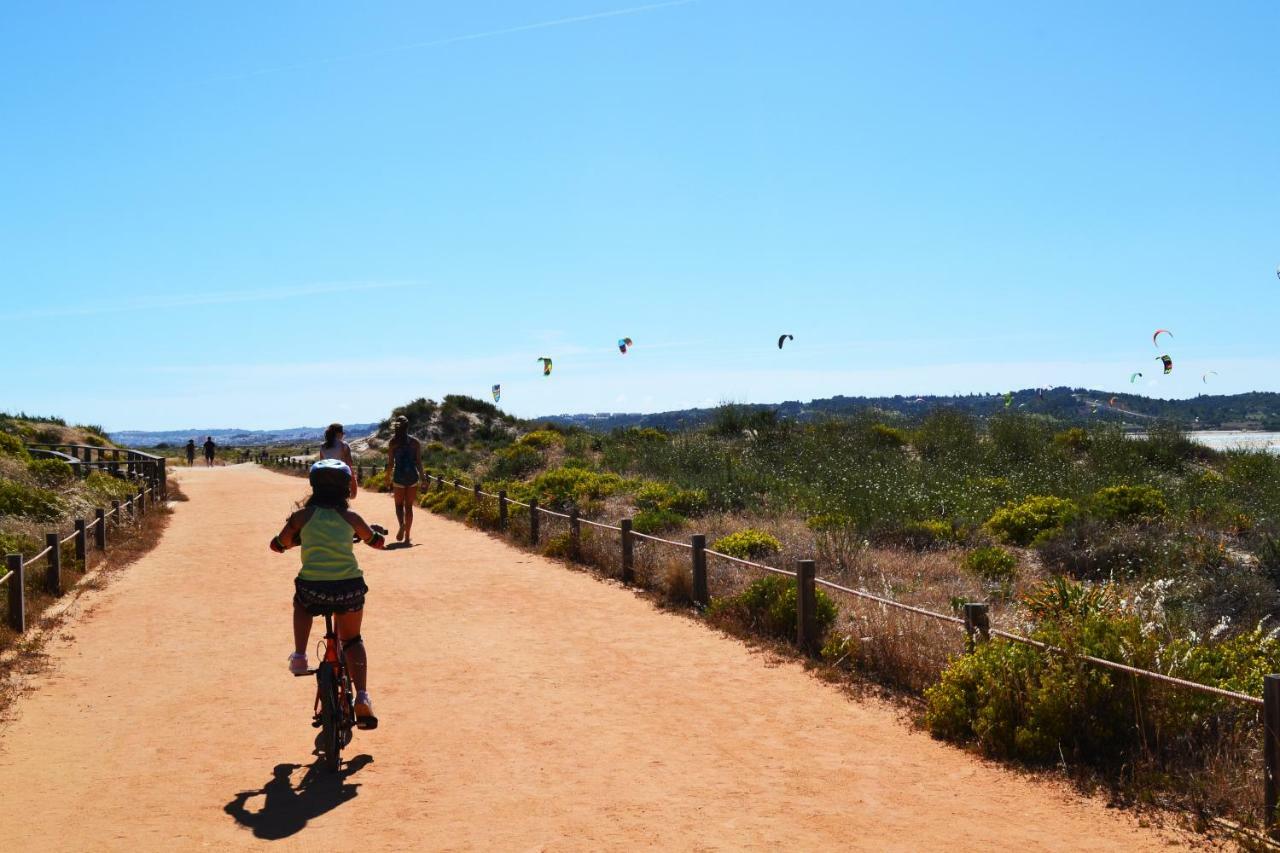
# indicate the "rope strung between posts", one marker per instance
pixel 743 562
pixel 598 524
pixel 664 541
pixel 889 602
pixel 1132 670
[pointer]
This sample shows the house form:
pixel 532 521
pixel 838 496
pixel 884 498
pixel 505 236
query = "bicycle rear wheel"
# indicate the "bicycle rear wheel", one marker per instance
pixel 330 717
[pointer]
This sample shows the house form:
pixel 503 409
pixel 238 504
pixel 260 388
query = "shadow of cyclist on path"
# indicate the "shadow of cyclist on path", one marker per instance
pixel 287 809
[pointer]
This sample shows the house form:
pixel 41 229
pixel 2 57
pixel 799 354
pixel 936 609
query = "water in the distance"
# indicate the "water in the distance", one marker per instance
pixel 1227 439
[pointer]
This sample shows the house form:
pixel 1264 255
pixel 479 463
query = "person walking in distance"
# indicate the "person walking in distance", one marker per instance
pixel 191 452
pixel 404 460
pixel 209 448
pixel 335 448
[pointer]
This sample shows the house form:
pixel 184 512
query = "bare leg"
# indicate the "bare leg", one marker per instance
pixel 410 498
pixel 301 629
pixel 398 495
pixel 348 625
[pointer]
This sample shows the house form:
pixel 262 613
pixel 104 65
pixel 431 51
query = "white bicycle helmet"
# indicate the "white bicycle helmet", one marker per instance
pixel 330 472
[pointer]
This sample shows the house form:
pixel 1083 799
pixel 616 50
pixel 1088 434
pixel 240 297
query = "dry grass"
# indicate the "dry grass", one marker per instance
pixel 22 654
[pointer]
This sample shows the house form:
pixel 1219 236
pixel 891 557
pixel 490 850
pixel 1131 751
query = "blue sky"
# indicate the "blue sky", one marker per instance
pixel 270 214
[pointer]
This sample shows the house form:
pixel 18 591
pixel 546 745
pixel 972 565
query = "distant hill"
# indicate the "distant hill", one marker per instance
pixel 1255 410
pixel 233 437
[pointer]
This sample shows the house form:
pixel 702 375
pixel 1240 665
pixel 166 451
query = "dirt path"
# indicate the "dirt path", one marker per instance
pixel 524 707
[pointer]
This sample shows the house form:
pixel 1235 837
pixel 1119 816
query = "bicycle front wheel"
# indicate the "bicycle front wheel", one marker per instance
pixel 330 717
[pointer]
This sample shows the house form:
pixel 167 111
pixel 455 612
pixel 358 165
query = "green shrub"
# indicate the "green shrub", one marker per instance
pixel 1075 439
pixel 768 606
pixel 916 535
pixel 51 473
pixel 30 502
pixel 1128 503
pixel 540 439
pixel 883 435
pixel 515 461
pixel 11 445
pixel 378 482
pixel 102 488
pixel 1021 523
pixel 946 433
pixel 1017 437
pixel 992 564
pixel 561 488
pixel 747 544
pixel 654 521
pixel 662 496
pixel 17 543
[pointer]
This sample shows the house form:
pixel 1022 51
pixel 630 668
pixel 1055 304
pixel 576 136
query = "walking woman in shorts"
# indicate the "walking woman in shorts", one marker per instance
pixel 335 448
pixel 404 461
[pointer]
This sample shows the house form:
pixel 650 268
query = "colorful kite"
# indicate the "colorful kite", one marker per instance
pixel 546 365
pixel 1112 404
pixel 782 338
pixel 1008 399
pixel 1168 363
pixel 1157 334
pixel 1133 377
pixel 496 390
pixel 623 343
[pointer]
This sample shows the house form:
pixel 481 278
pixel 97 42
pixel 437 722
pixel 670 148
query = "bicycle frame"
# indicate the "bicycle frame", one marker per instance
pixel 335 660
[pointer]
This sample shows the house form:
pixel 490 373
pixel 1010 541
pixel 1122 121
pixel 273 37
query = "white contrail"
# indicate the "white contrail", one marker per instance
pixel 187 300
pixel 387 51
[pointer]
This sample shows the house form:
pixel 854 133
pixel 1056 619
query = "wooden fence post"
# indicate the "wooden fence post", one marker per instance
pixel 575 533
pixel 475 491
pixel 533 521
pixel 82 545
pixel 142 500
pixel 359 474
pixel 700 595
pixel 502 509
pixel 117 512
pixel 628 552
pixel 806 607
pixel 1270 752
pixel 100 529
pixel 53 563
pixel 17 593
pixel 976 622
pixel 457 484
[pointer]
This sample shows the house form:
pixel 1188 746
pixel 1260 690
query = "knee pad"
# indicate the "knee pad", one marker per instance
pixel 357 640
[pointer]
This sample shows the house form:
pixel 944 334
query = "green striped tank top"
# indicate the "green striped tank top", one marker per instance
pixel 327 554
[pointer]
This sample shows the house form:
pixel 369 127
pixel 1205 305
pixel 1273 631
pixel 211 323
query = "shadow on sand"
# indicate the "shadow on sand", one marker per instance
pixel 287 808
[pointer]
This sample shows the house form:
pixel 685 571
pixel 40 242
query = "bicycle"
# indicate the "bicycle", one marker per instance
pixel 335 707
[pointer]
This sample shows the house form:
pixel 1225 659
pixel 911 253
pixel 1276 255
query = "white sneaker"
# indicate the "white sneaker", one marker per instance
pixel 298 664
pixel 364 712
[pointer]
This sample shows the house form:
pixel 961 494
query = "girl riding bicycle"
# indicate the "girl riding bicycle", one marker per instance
pixel 330 580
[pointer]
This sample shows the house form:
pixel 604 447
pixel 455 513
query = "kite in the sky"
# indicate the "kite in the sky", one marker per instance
pixel 1112 403
pixel 1008 399
pixel 1205 377
pixel 497 393
pixel 1168 363
pixel 1157 334
pixel 623 343
pixel 1133 377
pixel 546 365
pixel 782 338
pixel 1277 272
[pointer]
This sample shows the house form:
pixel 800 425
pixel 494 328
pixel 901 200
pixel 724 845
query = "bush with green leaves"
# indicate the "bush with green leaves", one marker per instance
pixel 51 473
pixel 924 535
pixel 883 435
pixel 515 461
pixel 1074 439
pixel 33 502
pixel 991 563
pixel 654 521
pixel 1128 503
pixel 102 488
pixel 768 606
pixel 541 439
pixel 567 486
pixel 1020 523
pixel 11 445
pixel 664 496
pixel 748 544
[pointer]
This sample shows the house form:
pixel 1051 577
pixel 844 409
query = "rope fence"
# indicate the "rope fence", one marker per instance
pixel 16 565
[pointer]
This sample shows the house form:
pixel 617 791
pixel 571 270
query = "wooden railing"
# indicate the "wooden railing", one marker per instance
pixel 104 520
pixel 117 461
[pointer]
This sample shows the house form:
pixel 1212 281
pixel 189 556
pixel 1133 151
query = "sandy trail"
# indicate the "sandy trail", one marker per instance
pixel 523 707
